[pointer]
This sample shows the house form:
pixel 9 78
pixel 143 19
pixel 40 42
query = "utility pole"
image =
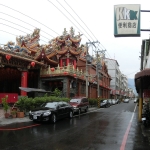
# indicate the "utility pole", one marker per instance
pixel 98 66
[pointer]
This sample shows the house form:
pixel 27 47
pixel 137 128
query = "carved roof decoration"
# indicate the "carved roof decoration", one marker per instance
pixel 28 46
pixel 42 57
pixel 25 45
pixel 67 41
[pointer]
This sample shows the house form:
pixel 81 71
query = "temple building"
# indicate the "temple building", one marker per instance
pixel 61 63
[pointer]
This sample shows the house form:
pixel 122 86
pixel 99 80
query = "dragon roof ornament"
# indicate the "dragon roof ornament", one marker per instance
pixel 25 45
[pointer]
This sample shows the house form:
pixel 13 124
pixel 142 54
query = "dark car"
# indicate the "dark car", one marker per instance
pixel 104 103
pixel 80 104
pixel 51 111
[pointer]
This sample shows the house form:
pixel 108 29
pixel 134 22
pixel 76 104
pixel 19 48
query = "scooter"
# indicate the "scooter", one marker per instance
pixel 146 117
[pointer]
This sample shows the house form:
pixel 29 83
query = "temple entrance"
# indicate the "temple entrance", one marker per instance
pixel 10 80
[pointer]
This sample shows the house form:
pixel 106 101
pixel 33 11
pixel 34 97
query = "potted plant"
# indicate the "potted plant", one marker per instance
pixel 21 107
pixel 14 113
pixel 5 106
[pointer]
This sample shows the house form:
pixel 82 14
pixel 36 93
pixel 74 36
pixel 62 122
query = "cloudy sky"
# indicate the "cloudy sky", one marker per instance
pixel 94 19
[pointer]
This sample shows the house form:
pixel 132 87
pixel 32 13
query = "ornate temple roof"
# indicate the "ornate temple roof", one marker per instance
pixel 28 46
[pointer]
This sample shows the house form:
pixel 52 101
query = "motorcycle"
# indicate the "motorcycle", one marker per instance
pixel 146 117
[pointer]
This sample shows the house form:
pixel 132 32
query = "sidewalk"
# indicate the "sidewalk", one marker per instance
pixel 5 121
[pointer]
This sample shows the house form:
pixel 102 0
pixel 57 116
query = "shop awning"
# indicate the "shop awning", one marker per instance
pixel 143 73
pixel 33 90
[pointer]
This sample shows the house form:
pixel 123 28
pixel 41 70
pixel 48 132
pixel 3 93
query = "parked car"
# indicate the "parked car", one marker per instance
pixel 126 100
pixel 51 111
pixel 80 104
pixel 117 101
pixel 104 103
pixel 113 101
pixel 136 100
pixel 110 102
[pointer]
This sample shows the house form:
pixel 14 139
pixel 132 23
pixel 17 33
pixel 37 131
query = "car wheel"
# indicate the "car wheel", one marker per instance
pixel 53 118
pixel 70 114
pixel 86 109
pixel 79 112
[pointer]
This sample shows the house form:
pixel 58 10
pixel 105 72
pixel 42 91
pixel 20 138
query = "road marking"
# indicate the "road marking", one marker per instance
pixel 123 144
pixel 13 129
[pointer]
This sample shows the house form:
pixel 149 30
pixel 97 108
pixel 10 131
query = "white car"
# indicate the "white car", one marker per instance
pixel 126 100
pixel 135 100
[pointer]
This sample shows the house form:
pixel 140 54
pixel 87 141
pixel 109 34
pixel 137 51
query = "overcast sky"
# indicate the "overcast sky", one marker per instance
pixel 92 18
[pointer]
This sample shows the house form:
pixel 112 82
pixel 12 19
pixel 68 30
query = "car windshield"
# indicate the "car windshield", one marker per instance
pixel 75 100
pixel 50 105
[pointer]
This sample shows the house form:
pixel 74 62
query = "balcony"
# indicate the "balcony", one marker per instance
pixel 65 71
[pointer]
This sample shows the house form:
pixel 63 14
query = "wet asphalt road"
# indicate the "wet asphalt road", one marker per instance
pixel 102 129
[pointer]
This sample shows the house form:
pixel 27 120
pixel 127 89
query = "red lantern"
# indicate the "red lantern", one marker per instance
pixel 32 63
pixel 74 75
pixel 8 57
pixel 52 69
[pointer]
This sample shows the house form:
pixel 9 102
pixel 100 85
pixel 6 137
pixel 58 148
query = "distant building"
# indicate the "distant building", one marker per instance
pixel 119 82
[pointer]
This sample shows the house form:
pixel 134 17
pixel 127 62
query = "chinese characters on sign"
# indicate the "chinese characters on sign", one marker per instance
pixel 127 25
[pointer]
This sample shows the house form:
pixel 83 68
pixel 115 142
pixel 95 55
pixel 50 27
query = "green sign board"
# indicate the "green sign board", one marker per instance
pixel 127 20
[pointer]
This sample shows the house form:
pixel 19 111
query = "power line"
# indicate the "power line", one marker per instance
pixel 22 27
pixel 25 22
pixel 74 18
pixel 30 18
pixel 80 18
pixel 17 29
pixel 8 32
pixel 66 16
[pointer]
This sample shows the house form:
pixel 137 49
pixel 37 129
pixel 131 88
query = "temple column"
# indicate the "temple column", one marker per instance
pixel 67 61
pixel 75 65
pixel 24 77
pixel 60 63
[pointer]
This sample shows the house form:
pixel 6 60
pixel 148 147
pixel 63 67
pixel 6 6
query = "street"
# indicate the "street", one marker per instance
pixel 113 128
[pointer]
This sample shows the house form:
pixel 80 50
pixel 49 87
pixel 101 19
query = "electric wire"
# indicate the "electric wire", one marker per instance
pixel 25 22
pixel 74 19
pixel 66 17
pixel 18 30
pixel 8 32
pixel 30 18
pixel 79 18
pixel 22 27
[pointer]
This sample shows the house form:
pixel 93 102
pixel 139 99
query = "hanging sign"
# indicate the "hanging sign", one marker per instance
pixel 127 20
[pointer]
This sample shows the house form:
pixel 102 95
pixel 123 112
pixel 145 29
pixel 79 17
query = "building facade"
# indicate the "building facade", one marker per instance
pixel 59 64
pixel 119 82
